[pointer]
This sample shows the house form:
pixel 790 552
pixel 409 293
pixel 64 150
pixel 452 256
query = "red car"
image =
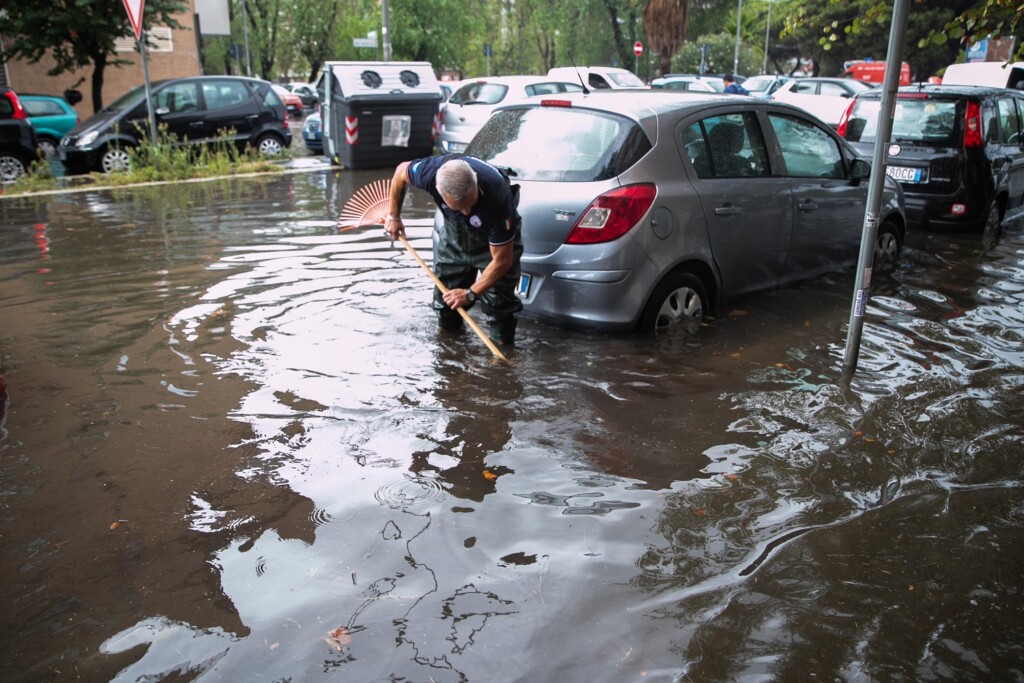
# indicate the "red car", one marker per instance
pixel 292 102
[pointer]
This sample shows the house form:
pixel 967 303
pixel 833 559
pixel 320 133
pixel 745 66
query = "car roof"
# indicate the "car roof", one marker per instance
pixel 945 89
pixel 512 80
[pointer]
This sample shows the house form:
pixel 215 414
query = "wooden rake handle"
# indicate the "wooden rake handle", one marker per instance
pixel 465 316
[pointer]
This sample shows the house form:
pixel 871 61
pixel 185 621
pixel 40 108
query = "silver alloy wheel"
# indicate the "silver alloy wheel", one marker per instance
pixel 11 168
pixel 887 246
pixel 270 146
pixel 682 305
pixel 48 148
pixel 115 159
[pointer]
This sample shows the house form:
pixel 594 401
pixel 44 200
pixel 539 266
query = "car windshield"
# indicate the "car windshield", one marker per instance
pixel 625 79
pixel 127 100
pixel 921 120
pixel 479 93
pixel 580 145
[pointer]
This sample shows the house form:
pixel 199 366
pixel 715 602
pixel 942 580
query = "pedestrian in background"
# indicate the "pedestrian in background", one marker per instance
pixel 732 87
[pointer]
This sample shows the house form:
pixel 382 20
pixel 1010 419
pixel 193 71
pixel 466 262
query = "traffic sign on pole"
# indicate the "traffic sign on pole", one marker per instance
pixel 638 47
pixel 134 9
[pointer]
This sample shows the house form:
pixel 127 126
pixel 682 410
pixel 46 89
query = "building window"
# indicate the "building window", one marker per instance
pixel 159 40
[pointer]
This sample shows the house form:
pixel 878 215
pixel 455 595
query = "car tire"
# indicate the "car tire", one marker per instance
pixel 269 145
pixel 993 218
pixel 888 245
pixel 677 304
pixel 47 148
pixel 12 167
pixel 114 159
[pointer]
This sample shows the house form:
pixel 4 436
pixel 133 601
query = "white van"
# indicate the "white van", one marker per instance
pixel 994 74
pixel 597 77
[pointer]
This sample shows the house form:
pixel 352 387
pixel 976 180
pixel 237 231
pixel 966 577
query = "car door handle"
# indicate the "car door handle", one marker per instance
pixel 807 206
pixel 197 124
pixel 252 117
pixel 728 210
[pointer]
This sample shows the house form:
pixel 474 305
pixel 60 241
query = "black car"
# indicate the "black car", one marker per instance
pixel 18 147
pixel 196 110
pixel 958 151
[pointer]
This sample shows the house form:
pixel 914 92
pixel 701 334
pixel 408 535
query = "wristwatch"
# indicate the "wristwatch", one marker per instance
pixel 470 296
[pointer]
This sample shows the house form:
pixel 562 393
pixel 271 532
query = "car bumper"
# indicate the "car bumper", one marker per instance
pixel 936 211
pixel 77 161
pixel 600 290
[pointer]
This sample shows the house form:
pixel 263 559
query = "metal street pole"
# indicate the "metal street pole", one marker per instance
pixel 245 35
pixel 386 30
pixel 736 55
pixel 141 41
pixel 876 183
pixel 767 28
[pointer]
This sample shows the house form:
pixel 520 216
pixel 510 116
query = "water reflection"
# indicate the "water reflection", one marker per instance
pixel 271 464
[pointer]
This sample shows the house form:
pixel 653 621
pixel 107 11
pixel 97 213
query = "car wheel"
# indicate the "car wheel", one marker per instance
pixel 677 304
pixel 48 147
pixel 269 146
pixel 11 168
pixel 115 159
pixel 993 218
pixel 887 243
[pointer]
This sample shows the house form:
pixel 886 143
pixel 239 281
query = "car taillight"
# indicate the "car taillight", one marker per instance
pixel 613 214
pixel 19 111
pixel 972 126
pixel 841 128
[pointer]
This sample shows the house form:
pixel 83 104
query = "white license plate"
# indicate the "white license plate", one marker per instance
pixel 904 174
pixel 523 290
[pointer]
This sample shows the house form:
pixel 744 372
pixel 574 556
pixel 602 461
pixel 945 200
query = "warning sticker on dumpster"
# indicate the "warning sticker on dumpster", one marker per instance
pixel 395 131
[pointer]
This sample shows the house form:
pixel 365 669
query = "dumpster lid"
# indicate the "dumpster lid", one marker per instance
pixel 385 79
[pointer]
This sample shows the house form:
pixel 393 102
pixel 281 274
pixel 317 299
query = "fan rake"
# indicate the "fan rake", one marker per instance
pixel 368 206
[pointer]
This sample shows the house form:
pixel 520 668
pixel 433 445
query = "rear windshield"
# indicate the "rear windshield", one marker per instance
pixel 560 143
pixel 479 93
pixel 922 120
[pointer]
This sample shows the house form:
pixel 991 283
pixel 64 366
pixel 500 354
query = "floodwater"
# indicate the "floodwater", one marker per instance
pixel 237 449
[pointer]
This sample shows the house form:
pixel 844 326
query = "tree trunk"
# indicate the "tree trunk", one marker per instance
pixel 99 61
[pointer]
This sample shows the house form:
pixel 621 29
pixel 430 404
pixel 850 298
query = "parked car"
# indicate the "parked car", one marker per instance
pixel 17 137
pixel 292 102
pixel 651 210
pixel 994 74
pixel 52 117
pixel 957 150
pixel 312 135
pixel 306 92
pixel 764 86
pixel 472 103
pixel 688 82
pixel 826 98
pixel 597 77
pixel 198 110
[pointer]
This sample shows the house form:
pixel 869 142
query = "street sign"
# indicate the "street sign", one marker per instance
pixel 638 48
pixel 134 9
pixel 364 42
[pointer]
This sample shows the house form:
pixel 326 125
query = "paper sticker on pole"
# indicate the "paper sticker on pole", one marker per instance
pixel 134 9
pixel 638 47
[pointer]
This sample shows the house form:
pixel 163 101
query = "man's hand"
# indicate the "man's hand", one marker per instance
pixel 394 227
pixel 456 297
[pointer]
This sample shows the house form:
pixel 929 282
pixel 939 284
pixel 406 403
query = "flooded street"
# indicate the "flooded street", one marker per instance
pixel 236 448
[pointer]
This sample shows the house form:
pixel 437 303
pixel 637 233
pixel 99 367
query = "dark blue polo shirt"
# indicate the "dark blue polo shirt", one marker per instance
pixel 494 205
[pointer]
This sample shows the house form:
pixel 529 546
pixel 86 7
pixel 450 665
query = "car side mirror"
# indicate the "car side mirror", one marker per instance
pixel 859 170
pixel 162 111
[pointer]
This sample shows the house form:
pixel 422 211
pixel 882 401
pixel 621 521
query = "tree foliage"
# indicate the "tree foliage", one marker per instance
pixel 77 33
pixel 666 21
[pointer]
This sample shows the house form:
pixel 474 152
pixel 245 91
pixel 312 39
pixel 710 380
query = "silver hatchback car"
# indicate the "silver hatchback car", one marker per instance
pixel 650 209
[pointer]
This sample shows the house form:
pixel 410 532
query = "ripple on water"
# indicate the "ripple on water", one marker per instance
pixel 416 495
pixel 342 513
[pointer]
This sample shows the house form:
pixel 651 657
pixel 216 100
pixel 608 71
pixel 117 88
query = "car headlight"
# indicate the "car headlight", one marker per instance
pixel 87 139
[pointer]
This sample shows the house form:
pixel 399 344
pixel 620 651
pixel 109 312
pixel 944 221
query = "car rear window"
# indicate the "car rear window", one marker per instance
pixel 560 143
pixel 918 119
pixel 42 108
pixel 479 93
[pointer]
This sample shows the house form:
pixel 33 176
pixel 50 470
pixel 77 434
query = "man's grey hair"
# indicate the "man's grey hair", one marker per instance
pixel 456 178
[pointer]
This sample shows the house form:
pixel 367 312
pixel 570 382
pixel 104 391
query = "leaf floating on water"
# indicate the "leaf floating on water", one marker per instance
pixel 731 477
pixel 114 525
pixel 737 312
pixel 338 638
pixel 490 476
pixel 858 434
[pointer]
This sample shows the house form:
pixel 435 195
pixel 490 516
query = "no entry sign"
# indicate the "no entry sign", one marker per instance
pixel 638 48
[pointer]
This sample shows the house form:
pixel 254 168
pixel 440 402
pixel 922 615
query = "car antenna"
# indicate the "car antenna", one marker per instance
pixel 586 91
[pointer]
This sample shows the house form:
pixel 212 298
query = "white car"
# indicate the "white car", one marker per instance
pixel 472 103
pixel 687 82
pixel 826 98
pixel 598 77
